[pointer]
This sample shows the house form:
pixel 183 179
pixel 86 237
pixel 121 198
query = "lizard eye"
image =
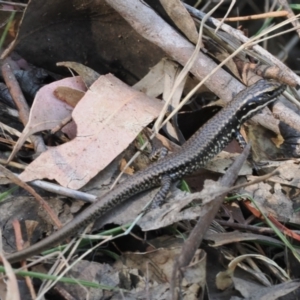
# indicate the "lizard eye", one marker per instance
pixel 271 93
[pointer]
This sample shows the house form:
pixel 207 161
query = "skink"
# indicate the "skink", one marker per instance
pixel 206 143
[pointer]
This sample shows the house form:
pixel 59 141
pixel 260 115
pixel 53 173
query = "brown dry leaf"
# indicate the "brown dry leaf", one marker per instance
pixel 68 95
pixel 108 119
pixel 30 226
pixel 128 170
pixel 47 111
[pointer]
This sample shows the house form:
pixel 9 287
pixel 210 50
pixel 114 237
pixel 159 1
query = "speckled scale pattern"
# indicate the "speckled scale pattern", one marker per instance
pixel 207 142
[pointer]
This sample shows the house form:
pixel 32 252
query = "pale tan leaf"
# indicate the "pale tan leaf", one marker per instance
pixel 47 111
pixel 181 18
pixel 153 83
pixel 108 119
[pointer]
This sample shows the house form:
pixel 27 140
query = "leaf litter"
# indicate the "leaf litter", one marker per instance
pixel 108 118
pixel 77 178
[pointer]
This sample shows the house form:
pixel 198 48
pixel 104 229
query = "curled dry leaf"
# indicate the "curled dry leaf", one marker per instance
pixel 224 278
pixel 108 119
pixel 88 75
pixel 12 292
pixel 47 111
